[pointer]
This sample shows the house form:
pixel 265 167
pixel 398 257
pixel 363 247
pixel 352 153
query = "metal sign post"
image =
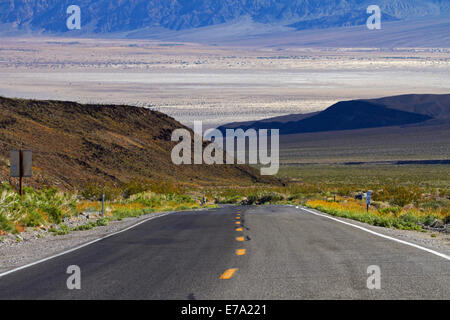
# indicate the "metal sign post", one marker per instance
pixel 103 204
pixel 21 173
pixel 21 166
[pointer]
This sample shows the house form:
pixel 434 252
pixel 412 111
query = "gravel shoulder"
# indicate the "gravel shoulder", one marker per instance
pixel 433 240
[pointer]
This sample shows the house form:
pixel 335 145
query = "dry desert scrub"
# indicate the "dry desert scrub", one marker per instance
pixel 49 207
pixel 409 219
pixel 37 208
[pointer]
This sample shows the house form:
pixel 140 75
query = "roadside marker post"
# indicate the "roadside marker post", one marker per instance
pixel 21 166
pixel 369 196
pixel 103 204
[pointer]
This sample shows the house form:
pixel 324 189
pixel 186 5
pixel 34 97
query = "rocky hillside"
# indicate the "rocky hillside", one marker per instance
pixel 74 144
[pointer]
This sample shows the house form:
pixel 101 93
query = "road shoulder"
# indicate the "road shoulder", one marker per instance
pixel 431 240
pixel 32 248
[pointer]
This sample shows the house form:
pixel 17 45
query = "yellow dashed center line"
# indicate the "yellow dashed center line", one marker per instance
pixel 240 239
pixel 228 273
pixel 240 252
pixel 238 218
pixel 238 222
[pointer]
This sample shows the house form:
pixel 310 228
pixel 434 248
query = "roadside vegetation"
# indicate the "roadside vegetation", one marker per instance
pixel 50 209
pixel 404 197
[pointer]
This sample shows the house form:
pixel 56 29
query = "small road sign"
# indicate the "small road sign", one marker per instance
pixel 368 198
pixel 27 159
pixel 15 164
pixel 21 166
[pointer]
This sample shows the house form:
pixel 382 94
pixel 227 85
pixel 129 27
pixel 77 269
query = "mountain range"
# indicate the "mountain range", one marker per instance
pixel 105 16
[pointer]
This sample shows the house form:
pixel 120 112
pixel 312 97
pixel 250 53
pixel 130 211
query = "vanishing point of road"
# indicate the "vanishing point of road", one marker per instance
pixel 238 252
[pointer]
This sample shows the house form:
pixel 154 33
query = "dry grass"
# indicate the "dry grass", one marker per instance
pixel 410 218
pixel 48 207
pixel 403 196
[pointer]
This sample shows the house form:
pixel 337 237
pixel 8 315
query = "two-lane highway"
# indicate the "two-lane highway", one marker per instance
pixel 247 252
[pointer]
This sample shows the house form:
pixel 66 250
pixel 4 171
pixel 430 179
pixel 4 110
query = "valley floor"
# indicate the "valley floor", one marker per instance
pixel 215 84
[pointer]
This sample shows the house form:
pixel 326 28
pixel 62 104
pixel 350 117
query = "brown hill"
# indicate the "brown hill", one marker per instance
pixel 73 144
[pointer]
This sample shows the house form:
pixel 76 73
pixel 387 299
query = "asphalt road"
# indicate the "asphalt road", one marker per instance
pixel 289 254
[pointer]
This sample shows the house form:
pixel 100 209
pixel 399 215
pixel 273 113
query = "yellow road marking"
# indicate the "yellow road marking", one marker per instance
pixel 238 218
pixel 238 222
pixel 240 239
pixel 228 273
pixel 240 252
pixel 238 229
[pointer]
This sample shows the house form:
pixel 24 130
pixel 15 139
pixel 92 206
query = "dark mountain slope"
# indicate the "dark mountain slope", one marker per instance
pixel 280 119
pixel 434 105
pixel 345 115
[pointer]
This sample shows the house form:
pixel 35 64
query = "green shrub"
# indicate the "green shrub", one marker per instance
pixel 252 199
pixel 83 227
pixel 390 210
pixel 101 222
pixel 5 224
pixel 35 205
pixel 33 219
pixel 55 214
pixel 398 195
pixel 409 218
pixel 134 187
pixel 230 199
pixel 95 191
pixel 270 198
pixel 63 230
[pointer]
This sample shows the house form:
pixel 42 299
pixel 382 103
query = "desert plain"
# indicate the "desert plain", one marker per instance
pixel 211 83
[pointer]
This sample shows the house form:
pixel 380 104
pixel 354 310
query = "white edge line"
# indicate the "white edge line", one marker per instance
pixel 83 245
pixel 380 234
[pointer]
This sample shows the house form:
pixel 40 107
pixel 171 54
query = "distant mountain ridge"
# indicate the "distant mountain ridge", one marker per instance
pixel 105 16
pixel 436 106
pixel 359 114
